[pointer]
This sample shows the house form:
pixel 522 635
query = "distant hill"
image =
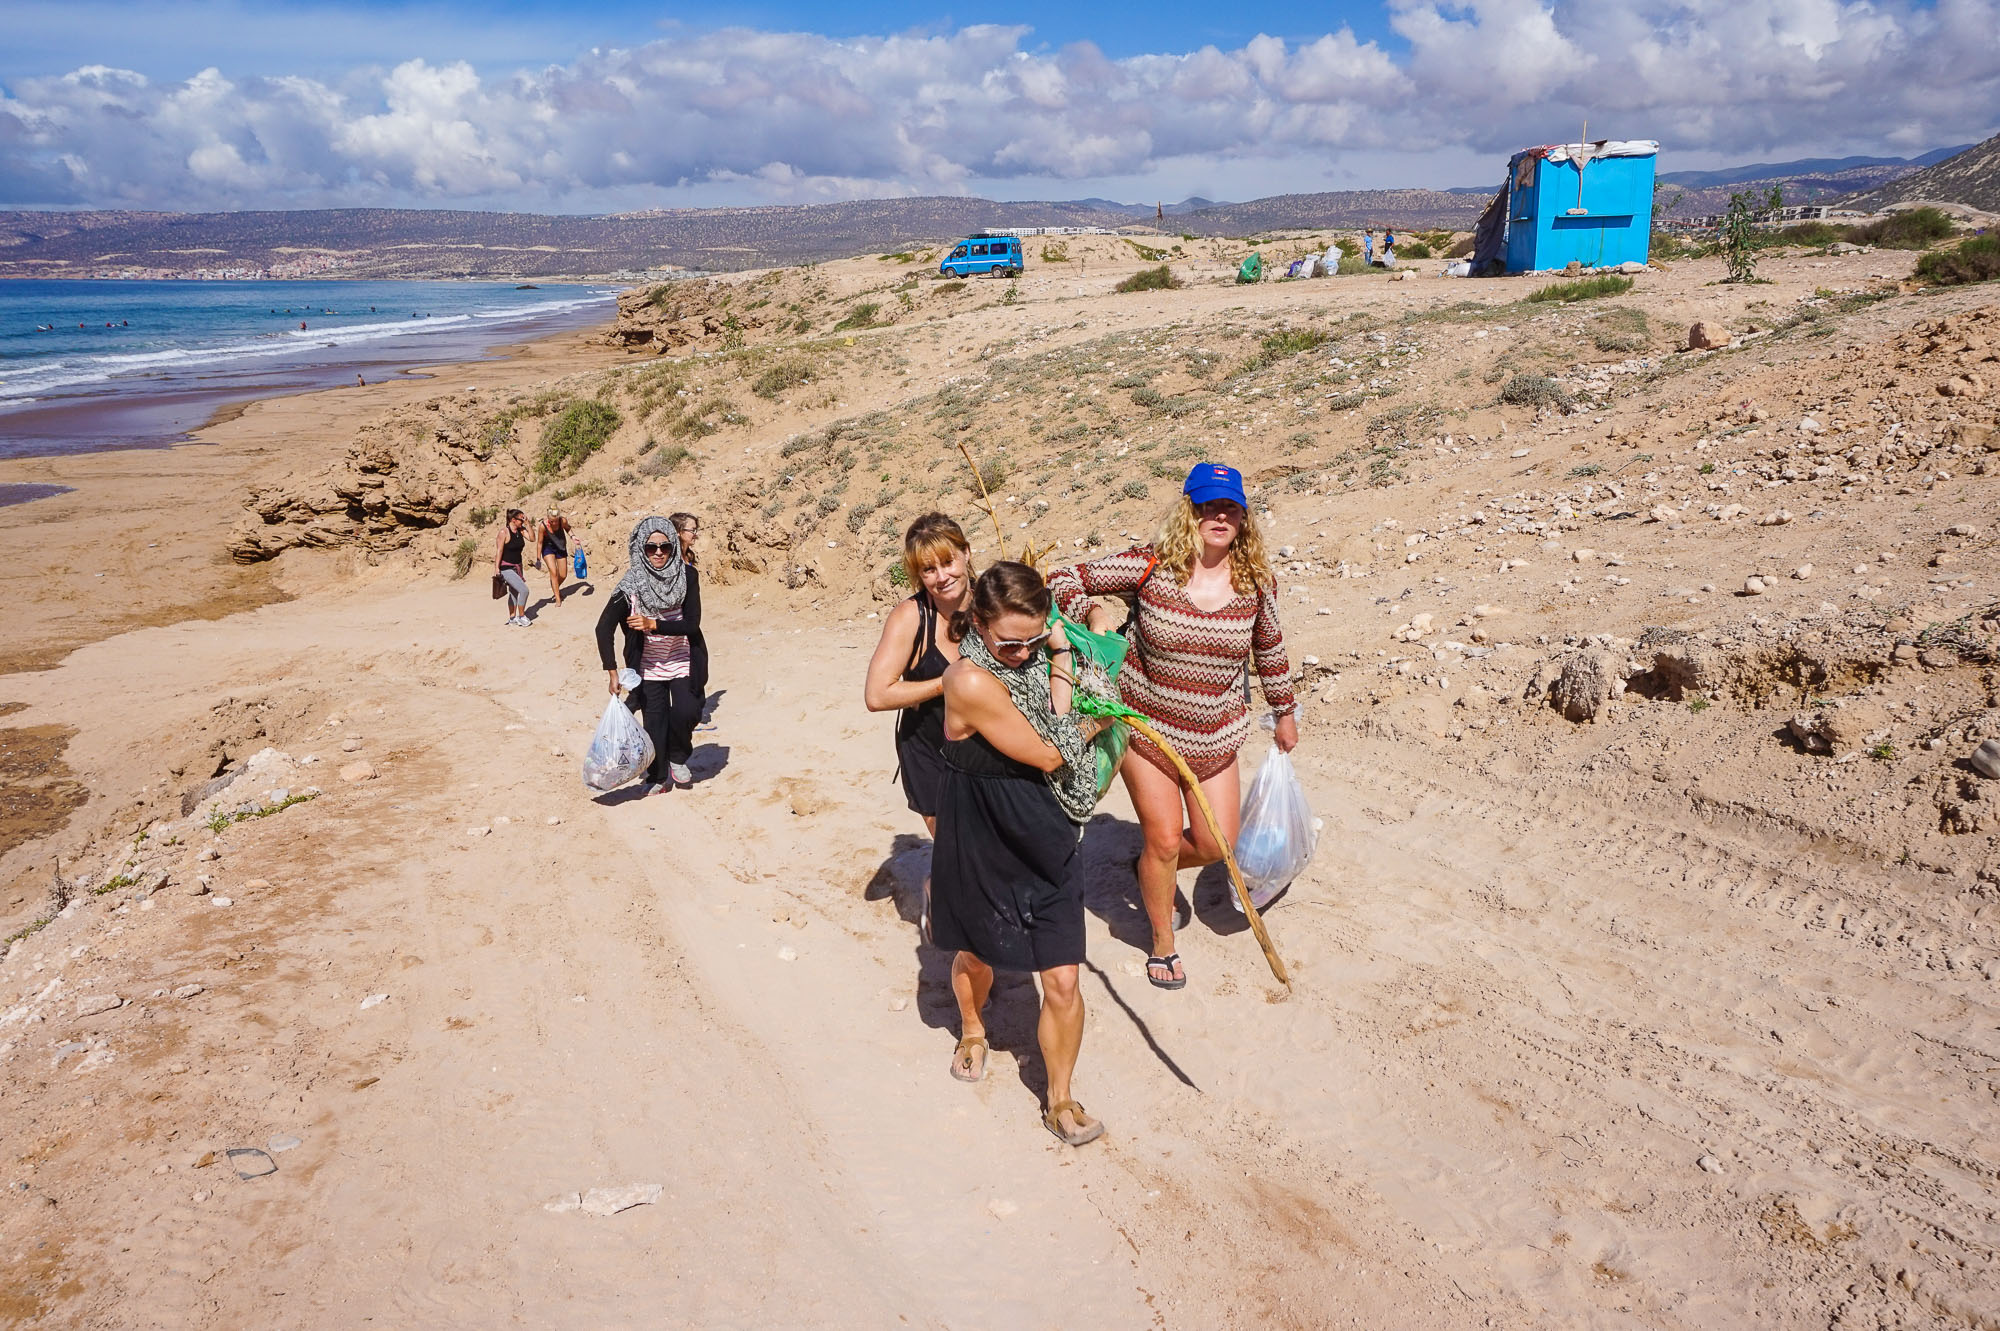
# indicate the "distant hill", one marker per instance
pixel 1807 166
pixel 382 242
pixel 1971 177
pixel 1417 208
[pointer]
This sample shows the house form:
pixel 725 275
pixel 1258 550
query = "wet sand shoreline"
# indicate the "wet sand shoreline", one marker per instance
pixel 130 537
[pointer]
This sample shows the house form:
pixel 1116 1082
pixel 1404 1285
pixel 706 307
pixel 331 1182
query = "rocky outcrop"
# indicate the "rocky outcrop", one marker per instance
pixel 404 475
pixel 674 316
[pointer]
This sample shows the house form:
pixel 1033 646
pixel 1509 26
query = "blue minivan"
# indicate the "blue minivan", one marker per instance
pixel 983 255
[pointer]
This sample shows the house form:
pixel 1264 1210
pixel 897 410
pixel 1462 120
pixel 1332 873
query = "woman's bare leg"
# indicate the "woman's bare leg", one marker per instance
pixel 973 984
pixel 924 919
pixel 1060 1032
pixel 1225 796
pixel 1156 797
pixel 554 565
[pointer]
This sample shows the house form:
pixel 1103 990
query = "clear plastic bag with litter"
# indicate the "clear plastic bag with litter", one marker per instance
pixel 1278 836
pixel 619 751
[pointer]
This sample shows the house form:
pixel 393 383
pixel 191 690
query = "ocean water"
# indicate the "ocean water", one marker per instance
pixel 97 364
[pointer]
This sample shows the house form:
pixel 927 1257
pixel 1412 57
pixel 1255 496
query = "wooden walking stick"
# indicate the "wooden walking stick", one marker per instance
pixel 986 498
pixel 1215 830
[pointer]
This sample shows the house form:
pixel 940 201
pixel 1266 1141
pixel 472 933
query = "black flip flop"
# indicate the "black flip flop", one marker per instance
pixel 1166 963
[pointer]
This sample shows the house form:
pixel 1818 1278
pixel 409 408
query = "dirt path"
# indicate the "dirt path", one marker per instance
pixel 1522 1020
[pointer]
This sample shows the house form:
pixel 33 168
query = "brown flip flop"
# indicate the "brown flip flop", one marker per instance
pixel 1053 1122
pixel 964 1046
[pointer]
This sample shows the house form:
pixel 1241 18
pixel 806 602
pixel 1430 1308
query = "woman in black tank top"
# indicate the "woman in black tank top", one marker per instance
pixel 907 670
pixel 507 566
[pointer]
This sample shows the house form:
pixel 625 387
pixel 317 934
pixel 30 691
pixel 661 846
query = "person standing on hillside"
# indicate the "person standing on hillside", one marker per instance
pixel 1205 611
pixel 1019 778
pixel 1368 246
pixel 1389 248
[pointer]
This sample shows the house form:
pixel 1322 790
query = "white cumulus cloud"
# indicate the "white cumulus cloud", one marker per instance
pixel 757 115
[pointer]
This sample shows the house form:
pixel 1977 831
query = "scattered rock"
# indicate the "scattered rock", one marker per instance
pixel 188 991
pixel 352 744
pixel 1777 518
pixel 1709 1164
pixel 1803 572
pixel 1985 759
pixel 1753 586
pixel 208 853
pixel 220 901
pixel 283 1143
pixel 1584 684
pixel 361 771
pixel 788 954
pixel 372 1000
pixel 96 1003
pixel 197 888
pixel 1839 730
pixel 1705 336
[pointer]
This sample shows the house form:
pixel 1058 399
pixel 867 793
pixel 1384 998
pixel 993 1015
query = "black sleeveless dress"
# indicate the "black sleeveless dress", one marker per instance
pixel 920 729
pixel 1003 885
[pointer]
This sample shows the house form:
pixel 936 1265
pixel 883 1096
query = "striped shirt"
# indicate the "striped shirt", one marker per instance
pixel 665 655
pixel 1185 670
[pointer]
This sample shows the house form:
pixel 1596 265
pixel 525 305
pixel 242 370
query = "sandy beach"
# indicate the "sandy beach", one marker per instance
pixel 1649 1015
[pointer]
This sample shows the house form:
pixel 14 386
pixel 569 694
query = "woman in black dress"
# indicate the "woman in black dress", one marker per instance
pixel 906 674
pixel 1019 779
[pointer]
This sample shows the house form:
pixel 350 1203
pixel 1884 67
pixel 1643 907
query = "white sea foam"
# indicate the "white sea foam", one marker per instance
pixel 24 383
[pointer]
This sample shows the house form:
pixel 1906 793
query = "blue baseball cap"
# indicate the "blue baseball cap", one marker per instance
pixel 1212 480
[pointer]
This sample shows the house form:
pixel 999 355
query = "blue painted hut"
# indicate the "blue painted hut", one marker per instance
pixel 1588 203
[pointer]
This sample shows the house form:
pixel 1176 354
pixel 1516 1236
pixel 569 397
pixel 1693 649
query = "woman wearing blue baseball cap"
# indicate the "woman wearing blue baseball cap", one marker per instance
pixel 1205 612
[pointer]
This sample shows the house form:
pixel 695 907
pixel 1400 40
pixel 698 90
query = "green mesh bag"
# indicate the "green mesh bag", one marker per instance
pixel 1099 656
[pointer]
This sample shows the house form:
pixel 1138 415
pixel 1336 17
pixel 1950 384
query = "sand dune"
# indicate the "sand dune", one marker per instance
pixel 1590 1027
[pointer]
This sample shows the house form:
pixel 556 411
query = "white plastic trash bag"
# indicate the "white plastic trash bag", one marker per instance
pixel 619 751
pixel 1277 839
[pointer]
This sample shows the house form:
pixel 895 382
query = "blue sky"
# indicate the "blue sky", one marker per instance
pixel 619 105
pixel 161 41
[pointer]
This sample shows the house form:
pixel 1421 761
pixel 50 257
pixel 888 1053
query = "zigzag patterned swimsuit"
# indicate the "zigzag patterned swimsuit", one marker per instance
pixel 1185 670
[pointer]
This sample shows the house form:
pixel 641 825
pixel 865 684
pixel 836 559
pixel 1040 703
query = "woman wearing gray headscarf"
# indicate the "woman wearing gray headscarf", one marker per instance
pixel 658 604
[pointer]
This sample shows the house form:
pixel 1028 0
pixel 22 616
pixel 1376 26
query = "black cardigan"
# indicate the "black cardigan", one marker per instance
pixel 619 607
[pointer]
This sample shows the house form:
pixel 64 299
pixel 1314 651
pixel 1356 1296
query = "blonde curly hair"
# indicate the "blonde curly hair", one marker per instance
pixel 1179 544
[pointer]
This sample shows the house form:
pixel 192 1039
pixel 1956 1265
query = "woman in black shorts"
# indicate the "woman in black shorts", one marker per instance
pixel 906 673
pixel 1020 777
pixel 555 555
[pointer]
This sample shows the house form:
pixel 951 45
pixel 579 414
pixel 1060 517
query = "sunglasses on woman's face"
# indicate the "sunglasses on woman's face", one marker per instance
pixel 1019 644
pixel 659 549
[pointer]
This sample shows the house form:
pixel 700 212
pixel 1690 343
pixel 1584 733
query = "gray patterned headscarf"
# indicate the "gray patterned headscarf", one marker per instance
pixel 1075 782
pixel 650 591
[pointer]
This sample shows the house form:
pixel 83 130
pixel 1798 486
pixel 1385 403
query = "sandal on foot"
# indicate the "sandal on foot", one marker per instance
pixel 1166 964
pixel 964 1051
pixel 1089 1132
